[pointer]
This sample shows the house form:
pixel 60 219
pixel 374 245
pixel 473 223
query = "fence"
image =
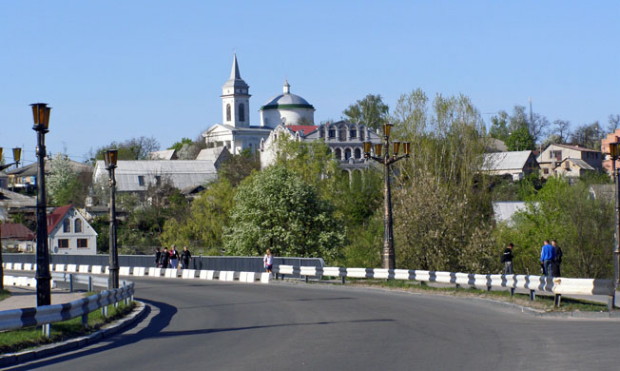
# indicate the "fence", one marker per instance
pixel 557 286
pixel 47 314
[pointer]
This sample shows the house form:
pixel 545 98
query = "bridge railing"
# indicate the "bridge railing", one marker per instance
pixel 557 285
pixel 47 314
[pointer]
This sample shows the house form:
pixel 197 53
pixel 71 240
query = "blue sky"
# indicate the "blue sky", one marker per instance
pixel 114 70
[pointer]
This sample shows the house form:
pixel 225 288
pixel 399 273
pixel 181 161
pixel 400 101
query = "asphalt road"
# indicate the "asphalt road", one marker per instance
pixel 205 325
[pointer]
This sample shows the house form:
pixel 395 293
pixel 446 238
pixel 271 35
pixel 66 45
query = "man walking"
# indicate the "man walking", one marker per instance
pixel 557 260
pixel 546 258
pixel 507 259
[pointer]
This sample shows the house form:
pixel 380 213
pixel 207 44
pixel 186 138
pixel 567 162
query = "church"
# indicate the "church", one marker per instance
pixel 285 114
pixel 236 133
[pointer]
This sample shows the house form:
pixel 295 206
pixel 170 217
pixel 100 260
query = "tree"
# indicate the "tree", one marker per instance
pixel 441 205
pixel 588 136
pixel 240 166
pixel 275 209
pixel 499 126
pixel 188 149
pixel 520 140
pixel 583 226
pixel 132 149
pixel 370 111
pixel 178 145
pixel 614 122
pixel 63 185
pixel 204 224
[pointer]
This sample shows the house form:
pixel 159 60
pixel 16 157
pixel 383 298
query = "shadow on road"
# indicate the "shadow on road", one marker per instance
pixel 156 324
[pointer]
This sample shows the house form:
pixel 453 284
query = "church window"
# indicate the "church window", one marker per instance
pixel 241 112
pixel 228 112
pixel 332 133
pixel 353 133
pixel 338 154
pixel 347 153
pixel 342 134
pixel 361 135
pixel 78 225
pixel 322 132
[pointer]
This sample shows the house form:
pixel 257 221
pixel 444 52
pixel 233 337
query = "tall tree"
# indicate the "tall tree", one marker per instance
pixel 63 184
pixel 132 149
pixel 614 122
pixel 520 140
pixel 275 209
pixel 588 136
pixel 370 111
pixel 240 166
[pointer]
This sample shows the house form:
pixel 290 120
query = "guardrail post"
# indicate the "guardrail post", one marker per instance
pixel 104 311
pixel 557 298
pixel 610 303
pixel 306 277
pixel 90 283
pixel 532 295
pixel 71 283
pixel 488 288
pixel 343 278
pixel 46 330
pixel 512 291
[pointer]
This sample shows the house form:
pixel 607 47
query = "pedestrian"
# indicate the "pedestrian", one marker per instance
pixel 157 257
pixel 174 257
pixel 557 261
pixel 507 259
pixel 268 261
pixel 164 259
pixel 186 256
pixel 546 258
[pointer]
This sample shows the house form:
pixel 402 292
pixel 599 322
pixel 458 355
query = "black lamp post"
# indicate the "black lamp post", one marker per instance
pixel 388 257
pixel 614 152
pixel 41 115
pixel 111 157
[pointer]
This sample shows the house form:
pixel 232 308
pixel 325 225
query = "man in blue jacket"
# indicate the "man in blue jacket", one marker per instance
pixel 547 255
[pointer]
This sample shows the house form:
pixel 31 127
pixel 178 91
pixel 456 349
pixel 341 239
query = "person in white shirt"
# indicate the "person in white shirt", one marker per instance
pixel 268 261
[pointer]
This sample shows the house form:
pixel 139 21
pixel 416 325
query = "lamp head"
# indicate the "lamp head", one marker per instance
pixel 41 116
pixel 110 158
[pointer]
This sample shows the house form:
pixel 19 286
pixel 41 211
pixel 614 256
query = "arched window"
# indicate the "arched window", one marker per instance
pixel 342 133
pixel 66 225
pixel 322 132
pixel 77 226
pixel 347 153
pixel 338 154
pixel 228 112
pixel 241 112
pixel 358 153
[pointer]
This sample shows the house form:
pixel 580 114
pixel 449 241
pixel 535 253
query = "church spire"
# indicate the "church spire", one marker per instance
pixel 286 89
pixel 234 72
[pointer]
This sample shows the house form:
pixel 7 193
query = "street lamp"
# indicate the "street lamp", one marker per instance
pixel 614 153
pixel 110 158
pixel 17 154
pixel 388 257
pixel 41 115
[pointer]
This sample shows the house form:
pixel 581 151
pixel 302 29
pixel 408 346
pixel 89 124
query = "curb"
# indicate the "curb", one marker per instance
pixel 11 359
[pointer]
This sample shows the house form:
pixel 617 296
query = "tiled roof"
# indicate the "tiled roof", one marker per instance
pixel 16 231
pixel 305 129
pixel 56 216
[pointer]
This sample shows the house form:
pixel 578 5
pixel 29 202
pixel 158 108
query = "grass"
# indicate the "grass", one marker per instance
pixel 4 294
pixel 542 302
pixel 16 340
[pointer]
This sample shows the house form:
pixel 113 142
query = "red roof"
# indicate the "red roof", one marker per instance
pixel 305 129
pixel 16 231
pixel 56 216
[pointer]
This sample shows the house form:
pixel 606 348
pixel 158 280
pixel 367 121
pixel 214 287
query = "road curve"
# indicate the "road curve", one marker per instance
pixel 206 325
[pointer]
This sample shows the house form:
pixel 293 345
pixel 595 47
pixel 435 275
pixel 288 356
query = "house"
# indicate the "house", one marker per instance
pixel 26 177
pixel 517 164
pixel 17 237
pixel 168 154
pixel 344 140
pixel 69 233
pixel 607 163
pixel 138 176
pixel 552 158
pixel 217 155
pixel 504 211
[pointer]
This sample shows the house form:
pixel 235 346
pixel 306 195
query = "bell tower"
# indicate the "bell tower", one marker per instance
pixel 235 99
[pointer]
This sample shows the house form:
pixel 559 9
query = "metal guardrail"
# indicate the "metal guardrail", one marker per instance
pixel 47 314
pixel 557 286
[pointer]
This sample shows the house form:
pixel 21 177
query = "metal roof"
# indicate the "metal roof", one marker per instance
pixel 505 160
pixel 134 176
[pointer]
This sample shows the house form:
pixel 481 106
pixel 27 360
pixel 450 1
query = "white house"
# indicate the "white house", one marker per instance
pixel 517 164
pixel 552 160
pixel 69 232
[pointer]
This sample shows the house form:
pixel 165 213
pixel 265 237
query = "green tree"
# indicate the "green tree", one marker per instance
pixel 276 209
pixel 132 149
pixel 63 185
pixel 588 136
pixel 240 166
pixel 178 145
pixel 520 140
pixel 370 111
pixel 204 224
pixel 583 227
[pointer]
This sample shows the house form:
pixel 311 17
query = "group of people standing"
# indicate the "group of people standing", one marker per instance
pixel 550 259
pixel 171 258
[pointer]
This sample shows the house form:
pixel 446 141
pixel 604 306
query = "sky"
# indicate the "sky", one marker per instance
pixel 116 70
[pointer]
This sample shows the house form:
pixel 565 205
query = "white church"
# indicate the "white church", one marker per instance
pixel 285 114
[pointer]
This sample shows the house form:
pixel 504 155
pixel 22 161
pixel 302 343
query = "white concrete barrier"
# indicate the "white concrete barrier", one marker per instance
pixel 265 277
pixel 96 269
pixel 188 274
pixel 138 271
pixel 8 266
pixel 171 273
pixel 228 275
pixel 59 268
pixel 72 268
pixel 124 271
pixel 17 266
pixel 28 267
pixel 155 272
pixel 83 268
pixel 208 275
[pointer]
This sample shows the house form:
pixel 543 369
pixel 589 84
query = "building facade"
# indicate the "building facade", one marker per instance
pixel 551 159
pixel 69 232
